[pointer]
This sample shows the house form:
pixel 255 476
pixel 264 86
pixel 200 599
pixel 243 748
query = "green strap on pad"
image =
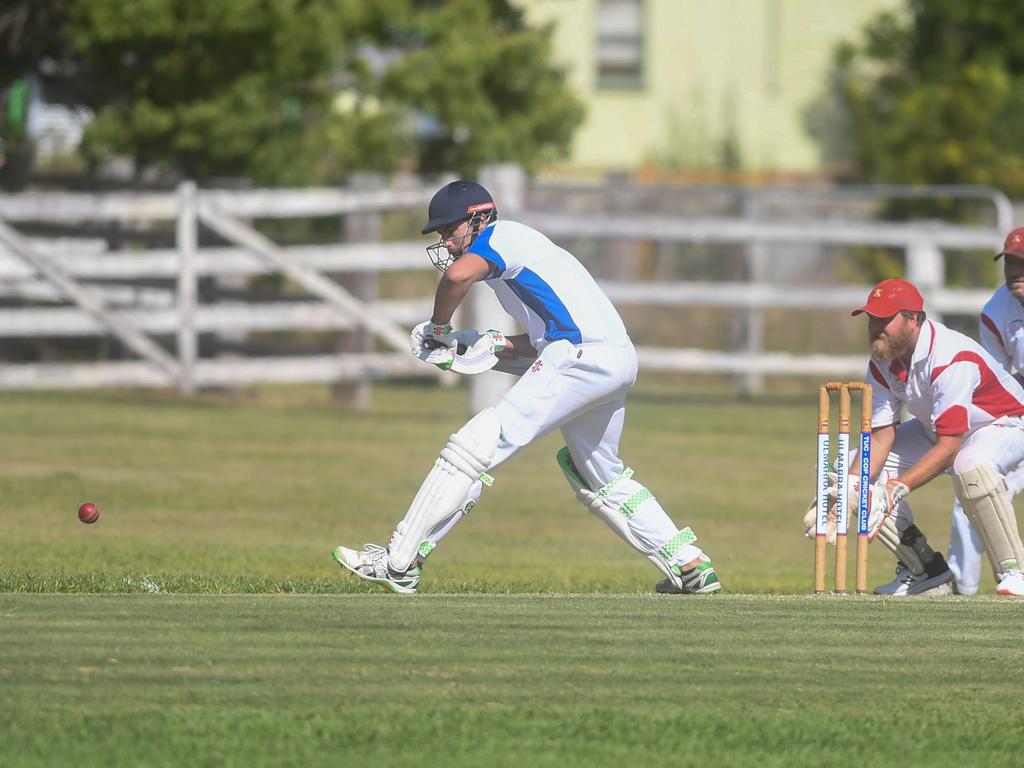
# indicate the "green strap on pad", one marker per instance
pixel 669 549
pixel 630 505
pixel 426 547
pixel 623 475
pixel 565 462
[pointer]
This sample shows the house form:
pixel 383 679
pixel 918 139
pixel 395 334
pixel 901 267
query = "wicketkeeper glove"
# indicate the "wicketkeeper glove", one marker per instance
pixel 881 502
pixel 886 494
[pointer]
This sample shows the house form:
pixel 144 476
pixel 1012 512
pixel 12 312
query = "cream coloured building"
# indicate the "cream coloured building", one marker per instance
pixel 699 84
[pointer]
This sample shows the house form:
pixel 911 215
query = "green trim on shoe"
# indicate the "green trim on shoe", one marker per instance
pixel 701 580
pixel 405 584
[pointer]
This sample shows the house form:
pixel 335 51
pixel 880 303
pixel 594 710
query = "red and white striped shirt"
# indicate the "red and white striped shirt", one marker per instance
pixel 953 386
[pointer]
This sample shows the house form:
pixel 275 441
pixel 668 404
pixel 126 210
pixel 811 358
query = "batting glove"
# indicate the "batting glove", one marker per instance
pixel 430 335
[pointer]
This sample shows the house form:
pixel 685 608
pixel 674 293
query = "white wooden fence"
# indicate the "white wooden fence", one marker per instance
pixel 39 269
pixel 72 271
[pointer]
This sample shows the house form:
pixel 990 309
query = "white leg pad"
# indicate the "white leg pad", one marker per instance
pixel 966 552
pixel 443 528
pixel 463 460
pixel 889 535
pixel 617 517
pixel 986 503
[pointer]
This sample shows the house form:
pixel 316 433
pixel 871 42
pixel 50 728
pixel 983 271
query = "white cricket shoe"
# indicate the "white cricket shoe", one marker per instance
pixel 1011 583
pixel 907 584
pixel 371 564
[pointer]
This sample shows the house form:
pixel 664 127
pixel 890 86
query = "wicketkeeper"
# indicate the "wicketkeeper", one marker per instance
pixel 576 364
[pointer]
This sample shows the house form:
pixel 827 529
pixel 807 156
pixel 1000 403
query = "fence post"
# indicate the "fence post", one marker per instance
pixel 358 227
pixel 927 270
pixel 187 238
pixel 507 185
pixel 755 254
pixel 622 196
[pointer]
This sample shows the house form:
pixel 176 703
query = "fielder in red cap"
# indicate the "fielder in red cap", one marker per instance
pixel 1002 319
pixel 966 421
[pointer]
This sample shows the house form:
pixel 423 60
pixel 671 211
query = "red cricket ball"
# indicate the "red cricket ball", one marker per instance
pixel 88 512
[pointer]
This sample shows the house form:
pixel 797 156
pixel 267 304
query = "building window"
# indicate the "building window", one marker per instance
pixel 620 43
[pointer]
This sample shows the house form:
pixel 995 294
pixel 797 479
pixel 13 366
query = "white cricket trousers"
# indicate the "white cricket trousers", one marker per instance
pixel 580 389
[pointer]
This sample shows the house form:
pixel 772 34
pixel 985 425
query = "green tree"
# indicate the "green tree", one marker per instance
pixel 931 95
pixel 303 91
pixel 484 80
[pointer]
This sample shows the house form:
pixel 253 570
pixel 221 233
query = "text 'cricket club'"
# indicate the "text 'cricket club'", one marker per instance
pixel 865 488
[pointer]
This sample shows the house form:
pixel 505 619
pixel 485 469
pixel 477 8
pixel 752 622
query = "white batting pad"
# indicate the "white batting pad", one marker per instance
pixel 639 530
pixel 463 460
pixel 982 493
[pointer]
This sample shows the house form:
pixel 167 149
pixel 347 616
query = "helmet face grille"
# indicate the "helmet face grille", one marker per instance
pixel 439 254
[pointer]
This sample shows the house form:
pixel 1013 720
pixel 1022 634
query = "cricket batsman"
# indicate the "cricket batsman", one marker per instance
pixel 577 364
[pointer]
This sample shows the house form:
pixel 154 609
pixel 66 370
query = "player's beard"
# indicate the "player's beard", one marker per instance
pixel 886 348
pixel 881 349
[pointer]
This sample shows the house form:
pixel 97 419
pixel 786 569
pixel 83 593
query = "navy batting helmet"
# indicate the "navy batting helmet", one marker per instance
pixel 457 202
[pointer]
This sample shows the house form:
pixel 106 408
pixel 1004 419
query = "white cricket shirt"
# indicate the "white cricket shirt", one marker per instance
pixel 953 386
pixel 545 289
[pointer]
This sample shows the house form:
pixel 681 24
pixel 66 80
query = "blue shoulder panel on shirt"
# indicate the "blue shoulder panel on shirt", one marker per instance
pixel 482 247
pixel 538 296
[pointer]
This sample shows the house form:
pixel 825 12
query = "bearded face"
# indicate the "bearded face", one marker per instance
pixel 892 337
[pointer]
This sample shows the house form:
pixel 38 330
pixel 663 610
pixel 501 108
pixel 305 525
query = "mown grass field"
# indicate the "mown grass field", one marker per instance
pixel 202 621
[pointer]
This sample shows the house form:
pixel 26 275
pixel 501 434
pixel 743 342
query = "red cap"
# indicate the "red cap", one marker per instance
pixel 892 296
pixel 1014 245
